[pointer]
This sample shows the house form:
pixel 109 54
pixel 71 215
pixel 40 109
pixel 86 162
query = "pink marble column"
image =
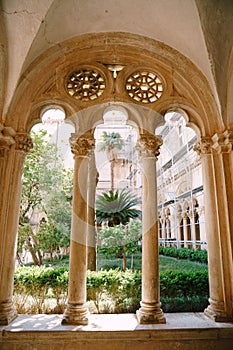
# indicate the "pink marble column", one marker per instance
pixel 150 311
pixel 76 311
pixel 12 155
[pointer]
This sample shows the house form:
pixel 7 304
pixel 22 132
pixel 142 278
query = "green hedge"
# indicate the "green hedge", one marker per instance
pixel 110 291
pixel 184 253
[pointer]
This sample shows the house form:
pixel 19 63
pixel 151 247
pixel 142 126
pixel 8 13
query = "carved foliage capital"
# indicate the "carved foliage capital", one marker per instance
pixel 23 142
pixel 148 144
pixel 6 137
pixel 203 146
pixel 82 145
pixel 222 143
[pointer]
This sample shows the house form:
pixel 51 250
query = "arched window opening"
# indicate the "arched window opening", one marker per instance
pixel 45 210
pixel 180 184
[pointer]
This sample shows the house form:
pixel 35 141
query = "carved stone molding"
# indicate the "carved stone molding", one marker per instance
pixel 148 144
pixel 222 143
pixel 82 145
pixel 23 142
pixel 6 137
pixel 203 146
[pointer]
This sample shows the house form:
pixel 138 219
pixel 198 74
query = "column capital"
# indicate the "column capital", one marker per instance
pixel 203 145
pixel 82 145
pixel 222 143
pixel 148 144
pixel 23 142
pixel 6 136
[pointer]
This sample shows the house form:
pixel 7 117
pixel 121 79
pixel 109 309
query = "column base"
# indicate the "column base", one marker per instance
pixel 75 314
pixel 216 312
pixel 150 314
pixel 7 313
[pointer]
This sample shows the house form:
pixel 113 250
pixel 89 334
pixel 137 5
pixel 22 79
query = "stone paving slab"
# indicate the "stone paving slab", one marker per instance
pixel 183 331
pixel 113 322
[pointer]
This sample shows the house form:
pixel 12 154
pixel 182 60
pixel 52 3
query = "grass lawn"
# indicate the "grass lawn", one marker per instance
pixel 165 263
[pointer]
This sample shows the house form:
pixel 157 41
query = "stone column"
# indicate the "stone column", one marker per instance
pixel 217 231
pixel 150 311
pixel 91 234
pixel 185 231
pixel 223 144
pixel 11 174
pixel 76 311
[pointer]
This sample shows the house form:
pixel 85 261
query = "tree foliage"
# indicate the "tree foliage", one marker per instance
pixel 111 143
pixel 122 240
pixel 117 207
pixel 46 187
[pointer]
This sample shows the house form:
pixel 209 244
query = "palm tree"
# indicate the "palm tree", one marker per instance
pixel 111 143
pixel 117 207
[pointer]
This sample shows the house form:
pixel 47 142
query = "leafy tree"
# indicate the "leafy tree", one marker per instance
pixel 122 240
pixel 50 236
pixel 117 207
pixel 111 144
pixel 45 186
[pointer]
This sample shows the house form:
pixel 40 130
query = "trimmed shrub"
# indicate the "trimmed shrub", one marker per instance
pixel 110 291
pixel 185 253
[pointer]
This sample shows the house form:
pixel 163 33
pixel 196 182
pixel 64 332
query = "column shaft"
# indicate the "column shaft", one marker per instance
pixel 76 311
pixel 217 233
pixel 11 172
pixel 150 311
pixel 91 235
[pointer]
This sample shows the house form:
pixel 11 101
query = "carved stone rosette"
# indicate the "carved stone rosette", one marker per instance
pixel 82 145
pixel 148 144
pixel 23 142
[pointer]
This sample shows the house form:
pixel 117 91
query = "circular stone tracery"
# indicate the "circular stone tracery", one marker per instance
pixel 85 85
pixel 145 87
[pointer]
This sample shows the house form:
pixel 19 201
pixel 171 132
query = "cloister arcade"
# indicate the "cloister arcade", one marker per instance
pixel 83 74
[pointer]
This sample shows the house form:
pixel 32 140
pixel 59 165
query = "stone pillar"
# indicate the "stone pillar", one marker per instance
pixel 76 311
pixel 223 144
pixel 185 231
pixel 217 229
pixel 91 234
pixel 150 311
pixel 11 159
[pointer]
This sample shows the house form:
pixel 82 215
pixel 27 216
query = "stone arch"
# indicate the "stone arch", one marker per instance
pixel 190 91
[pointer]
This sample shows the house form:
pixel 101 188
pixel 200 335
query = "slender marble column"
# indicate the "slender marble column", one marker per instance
pixel 225 141
pixel 185 230
pixel 91 234
pixel 11 173
pixel 217 232
pixel 150 311
pixel 76 311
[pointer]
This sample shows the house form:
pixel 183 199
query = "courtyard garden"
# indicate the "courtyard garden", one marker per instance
pixel 110 289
